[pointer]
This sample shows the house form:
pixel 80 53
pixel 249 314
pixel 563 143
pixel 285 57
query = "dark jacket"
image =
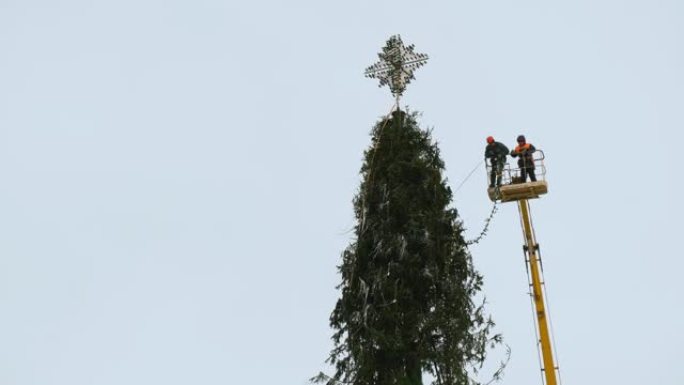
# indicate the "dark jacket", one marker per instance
pixel 496 152
pixel 525 152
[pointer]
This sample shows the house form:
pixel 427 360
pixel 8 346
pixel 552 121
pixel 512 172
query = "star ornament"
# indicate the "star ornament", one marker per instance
pixel 396 65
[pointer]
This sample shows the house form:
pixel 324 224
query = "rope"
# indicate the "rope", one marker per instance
pixel 469 175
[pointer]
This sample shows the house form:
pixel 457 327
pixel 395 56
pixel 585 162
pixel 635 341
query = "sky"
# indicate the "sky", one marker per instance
pixel 176 179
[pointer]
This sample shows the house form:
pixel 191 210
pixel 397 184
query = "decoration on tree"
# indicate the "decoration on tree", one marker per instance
pixel 396 66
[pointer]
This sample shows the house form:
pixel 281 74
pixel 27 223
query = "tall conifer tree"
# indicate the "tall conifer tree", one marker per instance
pixel 408 283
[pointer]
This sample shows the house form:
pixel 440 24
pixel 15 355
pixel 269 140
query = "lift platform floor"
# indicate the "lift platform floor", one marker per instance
pixel 517 191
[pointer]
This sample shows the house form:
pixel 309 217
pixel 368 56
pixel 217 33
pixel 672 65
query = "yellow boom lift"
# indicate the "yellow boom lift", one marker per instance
pixel 513 189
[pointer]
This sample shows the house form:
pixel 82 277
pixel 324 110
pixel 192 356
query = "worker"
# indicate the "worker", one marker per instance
pixel 496 153
pixel 524 153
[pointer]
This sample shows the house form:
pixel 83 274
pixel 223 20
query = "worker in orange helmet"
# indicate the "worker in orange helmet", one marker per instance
pixel 524 151
pixel 496 153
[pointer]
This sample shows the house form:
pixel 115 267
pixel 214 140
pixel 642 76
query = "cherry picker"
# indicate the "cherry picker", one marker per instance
pixel 514 189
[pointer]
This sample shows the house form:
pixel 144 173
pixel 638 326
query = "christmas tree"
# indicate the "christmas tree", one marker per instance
pixel 408 283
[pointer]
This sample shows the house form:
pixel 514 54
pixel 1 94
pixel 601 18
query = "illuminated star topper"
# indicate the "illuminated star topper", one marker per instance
pixel 396 65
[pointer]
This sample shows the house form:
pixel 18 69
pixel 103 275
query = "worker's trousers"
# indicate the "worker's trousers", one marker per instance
pixel 525 171
pixel 495 175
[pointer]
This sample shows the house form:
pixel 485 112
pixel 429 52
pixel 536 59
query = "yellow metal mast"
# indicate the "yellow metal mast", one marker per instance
pixel 531 248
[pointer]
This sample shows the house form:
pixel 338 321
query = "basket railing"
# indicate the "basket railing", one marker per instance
pixel 511 175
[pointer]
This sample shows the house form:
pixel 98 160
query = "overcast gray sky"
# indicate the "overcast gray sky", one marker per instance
pixel 176 179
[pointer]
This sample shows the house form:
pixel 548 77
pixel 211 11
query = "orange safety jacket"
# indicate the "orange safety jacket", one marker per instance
pixel 524 147
pixel 526 159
